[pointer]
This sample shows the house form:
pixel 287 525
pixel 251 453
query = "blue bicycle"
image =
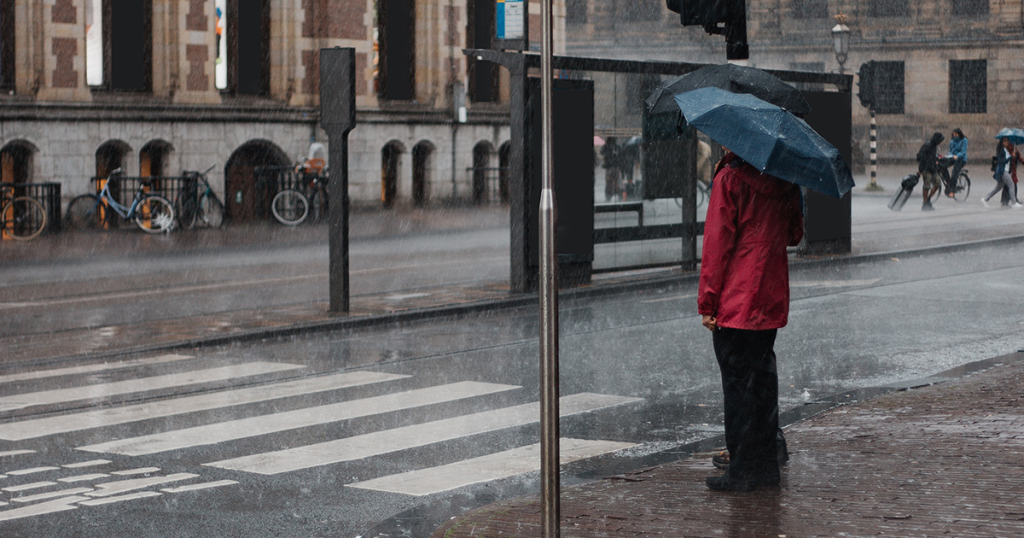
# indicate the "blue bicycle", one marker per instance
pixel 151 212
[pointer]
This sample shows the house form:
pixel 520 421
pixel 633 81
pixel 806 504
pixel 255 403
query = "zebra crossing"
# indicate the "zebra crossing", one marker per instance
pixel 83 477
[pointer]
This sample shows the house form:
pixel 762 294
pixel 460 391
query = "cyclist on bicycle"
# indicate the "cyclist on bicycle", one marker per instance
pixel 928 167
pixel 957 156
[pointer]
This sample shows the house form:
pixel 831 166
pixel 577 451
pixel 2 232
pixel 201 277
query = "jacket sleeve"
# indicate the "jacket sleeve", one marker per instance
pixel 719 242
pixel 796 221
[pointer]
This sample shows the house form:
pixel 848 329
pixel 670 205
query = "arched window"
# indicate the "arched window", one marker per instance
pixel 390 170
pixel 153 158
pixel 16 162
pixel 422 172
pixel 396 48
pixel 481 172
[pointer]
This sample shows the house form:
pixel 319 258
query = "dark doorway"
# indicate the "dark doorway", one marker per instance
pixel 481 160
pixel 128 44
pixel 422 172
pixel 110 156
pixel 153 158
pixel 504 157
pixel 245 200
pixel 390 167
pixel 248 30
pixel 16 163
pixel 396 27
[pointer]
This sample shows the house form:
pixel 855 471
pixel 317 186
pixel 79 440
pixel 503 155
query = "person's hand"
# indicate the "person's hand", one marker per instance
pixel 711 322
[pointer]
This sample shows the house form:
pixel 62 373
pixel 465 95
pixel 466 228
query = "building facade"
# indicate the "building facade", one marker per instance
pixel 154 87
pixel 945 63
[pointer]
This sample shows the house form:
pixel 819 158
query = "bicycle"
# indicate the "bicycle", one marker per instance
pixel 291 207
pixel 21 217
pixel 151 212
pixel 197 201
pixel 960 188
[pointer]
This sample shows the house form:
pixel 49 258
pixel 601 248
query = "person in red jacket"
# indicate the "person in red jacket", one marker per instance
pixel 743 298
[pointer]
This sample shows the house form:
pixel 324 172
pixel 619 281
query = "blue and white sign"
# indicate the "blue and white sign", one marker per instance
pixel 511 19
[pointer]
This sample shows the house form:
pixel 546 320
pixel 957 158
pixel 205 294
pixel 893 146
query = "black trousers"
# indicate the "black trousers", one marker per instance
pixel 751 387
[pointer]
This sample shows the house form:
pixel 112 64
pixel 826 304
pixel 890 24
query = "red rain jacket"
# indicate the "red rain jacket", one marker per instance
pixel 744 271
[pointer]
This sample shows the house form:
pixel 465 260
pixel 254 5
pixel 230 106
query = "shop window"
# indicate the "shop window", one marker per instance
pixel 810 9
pixel 119 44
pixel 247 27
pixel 576 11
pixel 889 87
pixel 396 49
pixel 970 8
pixel 483 75
pixel 968 86
pixel 7 44
pixel 888 8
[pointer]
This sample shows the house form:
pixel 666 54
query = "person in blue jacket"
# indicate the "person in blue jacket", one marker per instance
pixel 1006 155
pixel 957 152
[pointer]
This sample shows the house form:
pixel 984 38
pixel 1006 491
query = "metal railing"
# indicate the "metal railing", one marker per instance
pixel 490 184
pixel 47 194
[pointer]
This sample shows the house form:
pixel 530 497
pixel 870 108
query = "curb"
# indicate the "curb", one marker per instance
pixel 460 310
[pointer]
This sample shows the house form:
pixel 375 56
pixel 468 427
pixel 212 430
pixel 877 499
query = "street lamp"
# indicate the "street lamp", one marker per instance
pixel 841 38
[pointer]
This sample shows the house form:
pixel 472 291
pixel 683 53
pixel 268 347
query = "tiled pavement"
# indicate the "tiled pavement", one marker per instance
pixel 942 460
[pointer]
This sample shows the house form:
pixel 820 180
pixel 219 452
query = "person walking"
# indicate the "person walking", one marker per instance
pixel 610 163
pixel 743 298
pixel 957 152
pixel 928 167
pixel 1006 158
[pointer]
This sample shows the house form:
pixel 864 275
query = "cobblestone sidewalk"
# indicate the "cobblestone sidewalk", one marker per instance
pixel 943 460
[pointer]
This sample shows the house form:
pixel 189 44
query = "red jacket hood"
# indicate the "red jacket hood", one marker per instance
pixel 765 184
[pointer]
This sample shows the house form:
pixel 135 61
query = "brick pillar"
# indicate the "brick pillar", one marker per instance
pixel 195 47
pixel 60 71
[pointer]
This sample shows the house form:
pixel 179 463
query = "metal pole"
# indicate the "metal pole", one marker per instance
pixel 549 468
pixel 874 186
pixel 338 117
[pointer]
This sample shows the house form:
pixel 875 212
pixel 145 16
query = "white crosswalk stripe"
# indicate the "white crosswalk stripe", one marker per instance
pixel 43 484
pixel 31 429
pixel 486 468
pixel 383 442
pixel 105 390
pixel 289 420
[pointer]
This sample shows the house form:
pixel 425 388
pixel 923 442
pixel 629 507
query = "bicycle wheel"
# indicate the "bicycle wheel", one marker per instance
pixel 186 210
pixel 211 210
pixel 84 213
pixel 962 188
pixel 290 207
pixel 24 218
pixel 155 214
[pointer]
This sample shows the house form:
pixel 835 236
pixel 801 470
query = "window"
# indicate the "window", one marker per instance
pixel 575 11
pixel 221 70
pixel 970 7
pixel 483 76
pixel 810 9
pixel 127 34
pixel 7 44
pixel 889 87
pixel 248 46
pixel 888 8
pixel 968 86
pixel 396 30
pixel 640 10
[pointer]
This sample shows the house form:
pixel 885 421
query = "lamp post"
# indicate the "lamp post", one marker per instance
pixel 841 40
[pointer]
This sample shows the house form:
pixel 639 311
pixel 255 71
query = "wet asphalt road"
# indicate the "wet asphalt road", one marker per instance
pixel 851 326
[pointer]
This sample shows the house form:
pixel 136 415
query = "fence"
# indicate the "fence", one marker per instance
pixel 490 185
pixel 271 180
pixel 47 194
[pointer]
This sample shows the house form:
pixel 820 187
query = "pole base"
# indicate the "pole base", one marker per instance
pixel 874 187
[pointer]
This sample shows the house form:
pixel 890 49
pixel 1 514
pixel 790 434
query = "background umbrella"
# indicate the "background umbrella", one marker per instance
pixel 1015 135
pixel 733 78
pixel 769 138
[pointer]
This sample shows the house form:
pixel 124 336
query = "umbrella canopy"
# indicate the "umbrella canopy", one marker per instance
pixel 733 78
pixel 1015 135
pixel 769 138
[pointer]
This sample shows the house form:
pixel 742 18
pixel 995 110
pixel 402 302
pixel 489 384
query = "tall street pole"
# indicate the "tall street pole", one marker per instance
pixel 549 469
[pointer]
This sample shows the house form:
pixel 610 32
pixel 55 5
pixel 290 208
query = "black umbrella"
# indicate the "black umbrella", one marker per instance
pixel 732 78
